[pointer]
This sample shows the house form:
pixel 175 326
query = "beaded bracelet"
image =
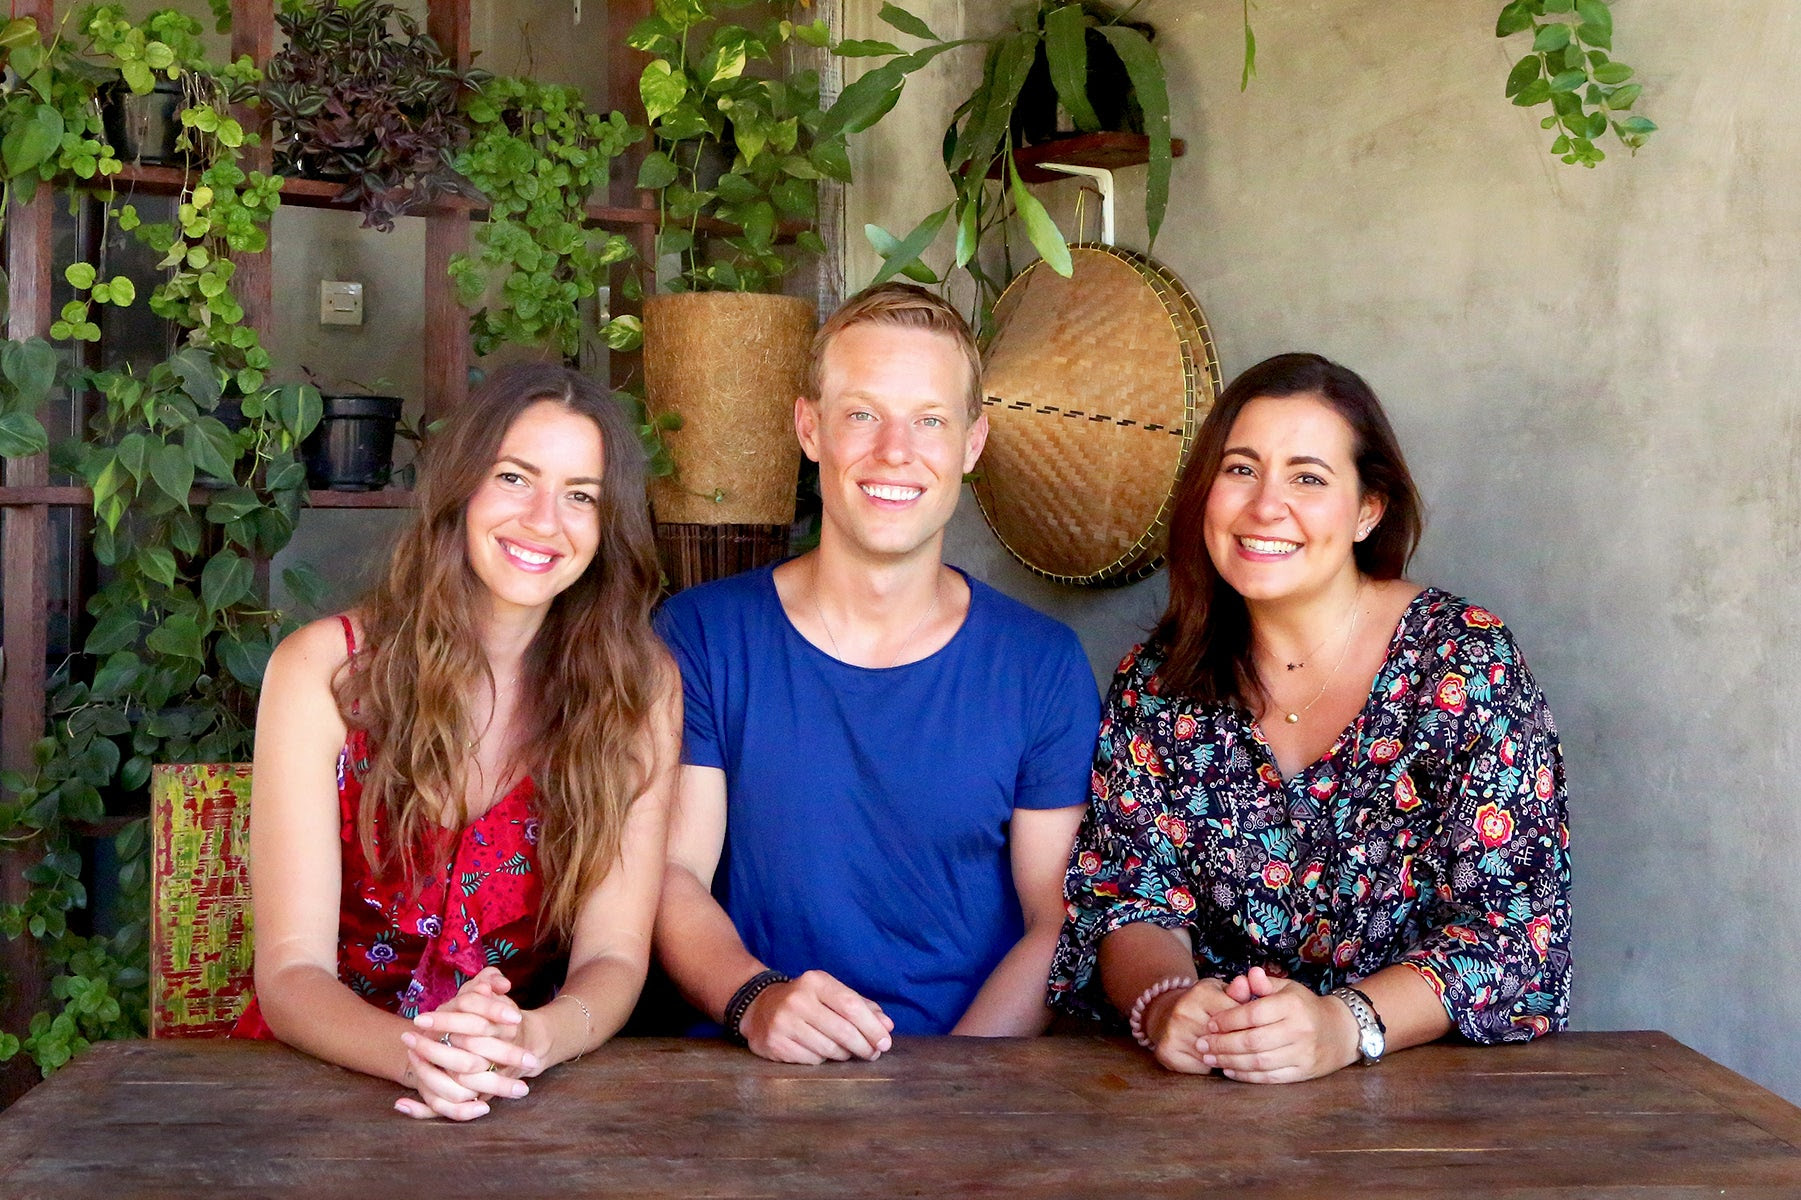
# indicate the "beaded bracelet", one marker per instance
pixel 741 999
pixel 1173 984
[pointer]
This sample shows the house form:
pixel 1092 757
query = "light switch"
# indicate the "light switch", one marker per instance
pixel 340 303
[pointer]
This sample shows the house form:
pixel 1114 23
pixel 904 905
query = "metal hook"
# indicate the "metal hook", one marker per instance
pixel 1104 180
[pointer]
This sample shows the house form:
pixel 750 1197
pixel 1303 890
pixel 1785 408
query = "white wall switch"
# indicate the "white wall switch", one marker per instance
pixel 340 303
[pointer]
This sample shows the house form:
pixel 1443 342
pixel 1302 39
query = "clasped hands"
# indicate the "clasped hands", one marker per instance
pixel 814 1018
pixel 475 1046
pixel 1258 1028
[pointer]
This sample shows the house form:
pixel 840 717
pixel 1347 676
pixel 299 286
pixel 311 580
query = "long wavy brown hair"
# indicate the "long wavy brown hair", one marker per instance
pixel 594 671
pixel 1206 629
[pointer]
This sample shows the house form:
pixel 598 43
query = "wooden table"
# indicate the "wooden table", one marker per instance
pixel 1625 1114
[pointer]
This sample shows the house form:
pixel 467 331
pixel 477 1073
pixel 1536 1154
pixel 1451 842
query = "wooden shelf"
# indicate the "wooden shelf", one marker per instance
pixel 326 193
pixel 81 497
pixel 1110 151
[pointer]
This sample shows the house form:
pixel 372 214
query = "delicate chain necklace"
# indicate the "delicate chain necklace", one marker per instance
pixel 918 625
pixel 1294 718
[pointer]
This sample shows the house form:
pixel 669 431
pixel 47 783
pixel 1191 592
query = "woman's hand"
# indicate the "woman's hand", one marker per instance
pixel 468 1050
pixel 1277 1031
pixel 1175 1021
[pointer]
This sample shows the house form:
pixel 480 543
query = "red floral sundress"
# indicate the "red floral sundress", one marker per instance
pixel 408 948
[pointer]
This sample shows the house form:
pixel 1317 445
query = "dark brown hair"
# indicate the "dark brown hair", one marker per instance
pixel 1206 630
pixel 595 669
pixel 905 306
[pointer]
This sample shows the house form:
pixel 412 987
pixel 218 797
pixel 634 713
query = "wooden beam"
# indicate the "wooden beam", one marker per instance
pixel 446 341
pixel 624 67
pixel 24 570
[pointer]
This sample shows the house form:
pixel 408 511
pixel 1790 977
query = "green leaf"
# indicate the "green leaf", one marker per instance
pixel 1145 70
pixel 865 48
pixel 114 630
pixel 901 255
pixel 31 141
pixel 988 123
pixel 173 472
pixel 1536 92
pixel 211 447
pixel 1613 72
pixel 658 171
pixel 1639 125
pixel 117 676
pixel 158 563
pixel 725 61
pixel 179 637
pixel 1624 98
pixel 814 34
pixel 1568 81
pixel 138 77
pixel 1066 49
pixel 1595 15
pixel 80 275
pixel 30 366
pixel 1524 72
pixel 863 102
pixel 246 659
pixel 624 333
pixel 21 435
pixel 661 89
pixel 968 233
pixel 305 585
pixel 906 22
pixel 1040 229
pixel 1515 18
pixel 225 580
pixel 1551 38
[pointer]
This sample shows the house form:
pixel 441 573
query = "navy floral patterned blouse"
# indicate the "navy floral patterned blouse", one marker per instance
pixel 1432 833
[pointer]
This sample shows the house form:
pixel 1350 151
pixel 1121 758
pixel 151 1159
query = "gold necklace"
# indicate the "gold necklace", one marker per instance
pixel 901 653
pixel 1294 718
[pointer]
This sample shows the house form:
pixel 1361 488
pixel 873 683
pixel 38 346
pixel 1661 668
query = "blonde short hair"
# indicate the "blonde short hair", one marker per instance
pixel 903 306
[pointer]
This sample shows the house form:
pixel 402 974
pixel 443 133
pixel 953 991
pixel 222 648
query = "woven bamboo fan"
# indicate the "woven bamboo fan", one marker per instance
pixel 1096 385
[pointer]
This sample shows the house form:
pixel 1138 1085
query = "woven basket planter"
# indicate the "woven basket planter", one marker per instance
pixel 730 365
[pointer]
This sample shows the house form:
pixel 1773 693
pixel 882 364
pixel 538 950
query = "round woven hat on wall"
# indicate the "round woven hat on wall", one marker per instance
pixel 1095 386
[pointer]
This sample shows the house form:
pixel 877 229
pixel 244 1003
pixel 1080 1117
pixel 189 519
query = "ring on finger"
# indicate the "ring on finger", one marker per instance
pixel 445 1038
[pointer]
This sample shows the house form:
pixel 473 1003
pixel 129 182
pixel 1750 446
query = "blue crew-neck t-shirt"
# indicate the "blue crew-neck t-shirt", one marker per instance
pixel 867 809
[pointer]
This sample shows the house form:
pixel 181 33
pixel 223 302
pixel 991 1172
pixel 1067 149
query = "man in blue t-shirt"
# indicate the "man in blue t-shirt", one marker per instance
pixel 885 761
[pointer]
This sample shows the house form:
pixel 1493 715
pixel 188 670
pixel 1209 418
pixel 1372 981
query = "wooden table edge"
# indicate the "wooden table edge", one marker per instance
pixel 1726 1087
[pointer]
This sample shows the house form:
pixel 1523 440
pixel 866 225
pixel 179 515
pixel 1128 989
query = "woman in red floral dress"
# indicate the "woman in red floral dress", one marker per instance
pixel 461 786
pixel 1328 812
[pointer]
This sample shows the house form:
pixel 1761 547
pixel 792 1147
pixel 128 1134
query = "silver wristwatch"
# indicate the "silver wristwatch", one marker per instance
pixel 1372 1035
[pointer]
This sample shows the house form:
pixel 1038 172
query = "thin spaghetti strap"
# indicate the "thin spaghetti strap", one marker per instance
pixel 349 633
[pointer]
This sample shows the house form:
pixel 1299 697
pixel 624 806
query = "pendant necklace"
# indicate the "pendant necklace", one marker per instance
pixel 1294 718
pixel 906 642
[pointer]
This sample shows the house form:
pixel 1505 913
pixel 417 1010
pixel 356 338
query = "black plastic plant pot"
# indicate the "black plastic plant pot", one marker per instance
pixel 1037 115
pixel 352 450
pixel 143 129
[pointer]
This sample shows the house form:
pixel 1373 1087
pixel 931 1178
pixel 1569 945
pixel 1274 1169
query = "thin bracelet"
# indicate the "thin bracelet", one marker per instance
pixel 587 1022
pixel 1174 983
pixel 741 999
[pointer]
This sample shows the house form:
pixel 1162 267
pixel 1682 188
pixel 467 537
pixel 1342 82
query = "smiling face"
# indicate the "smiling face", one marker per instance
pixel 893 439
pixel 533 524
pixel 1287 507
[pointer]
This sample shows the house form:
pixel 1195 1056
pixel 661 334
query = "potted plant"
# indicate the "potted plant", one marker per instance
pixel 360 93
pixel 1054 37
pixel 738 146
pixel 351 449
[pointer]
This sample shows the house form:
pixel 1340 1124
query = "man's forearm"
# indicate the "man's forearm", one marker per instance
pixel 1012 1000
pixel 698 945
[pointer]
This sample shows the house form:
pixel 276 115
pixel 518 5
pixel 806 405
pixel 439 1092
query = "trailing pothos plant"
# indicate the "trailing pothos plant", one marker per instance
pixel 185 502
pixel 537 152
pixel 1569 68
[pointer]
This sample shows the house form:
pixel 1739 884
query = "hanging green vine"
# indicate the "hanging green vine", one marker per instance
pixel 1569 69
pixel 185 502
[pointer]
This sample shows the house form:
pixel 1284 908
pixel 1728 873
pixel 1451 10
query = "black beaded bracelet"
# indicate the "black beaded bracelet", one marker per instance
pixel 741 999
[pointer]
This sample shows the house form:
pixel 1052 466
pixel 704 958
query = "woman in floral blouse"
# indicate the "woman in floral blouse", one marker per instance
pixel 462 786
pixel 1328 805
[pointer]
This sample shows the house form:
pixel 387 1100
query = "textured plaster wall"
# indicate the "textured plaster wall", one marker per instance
pixel 1594 375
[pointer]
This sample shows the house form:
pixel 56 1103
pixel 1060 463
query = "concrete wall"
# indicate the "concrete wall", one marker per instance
pixel 1593 373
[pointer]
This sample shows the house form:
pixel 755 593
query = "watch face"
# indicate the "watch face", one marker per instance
pixel 1371 1042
